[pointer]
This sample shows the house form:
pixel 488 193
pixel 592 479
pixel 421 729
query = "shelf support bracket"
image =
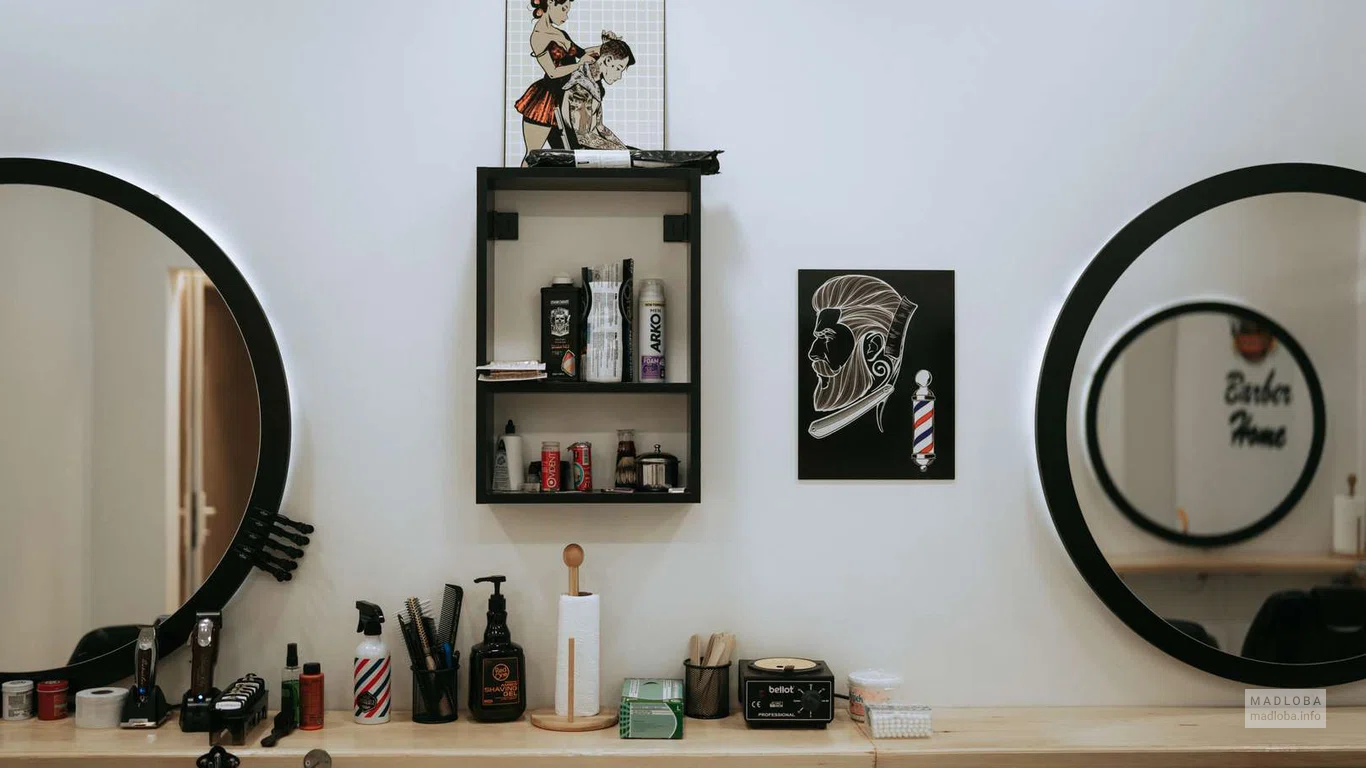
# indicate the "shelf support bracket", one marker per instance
pixel 502 226
pixel 677 228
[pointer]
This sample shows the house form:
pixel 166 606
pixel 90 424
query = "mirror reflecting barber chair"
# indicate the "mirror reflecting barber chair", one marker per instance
pixel 1305 627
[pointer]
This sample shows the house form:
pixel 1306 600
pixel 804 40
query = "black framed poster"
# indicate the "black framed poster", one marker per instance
pixel 875 375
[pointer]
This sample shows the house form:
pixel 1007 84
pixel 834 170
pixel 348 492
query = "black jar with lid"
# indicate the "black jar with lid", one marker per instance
pixel 658 471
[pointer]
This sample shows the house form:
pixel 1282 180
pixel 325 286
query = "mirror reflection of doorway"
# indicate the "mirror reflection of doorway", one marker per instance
pixel 218 417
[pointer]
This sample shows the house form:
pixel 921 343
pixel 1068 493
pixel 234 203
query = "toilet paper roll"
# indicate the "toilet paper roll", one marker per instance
pixel 579 619
pixel 1349 524
pixel 100 707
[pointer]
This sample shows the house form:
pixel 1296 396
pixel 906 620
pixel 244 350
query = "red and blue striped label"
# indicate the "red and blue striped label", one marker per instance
pixel 922 415
pixel 372 700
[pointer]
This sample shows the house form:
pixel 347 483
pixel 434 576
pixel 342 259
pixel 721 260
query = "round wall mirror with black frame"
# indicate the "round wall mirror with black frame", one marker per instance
pixel 1193 456
pixel 147 425
pixel 1174 433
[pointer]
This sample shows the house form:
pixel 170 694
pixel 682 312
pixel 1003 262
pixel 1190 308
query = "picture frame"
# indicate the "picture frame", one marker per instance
pixel 583 74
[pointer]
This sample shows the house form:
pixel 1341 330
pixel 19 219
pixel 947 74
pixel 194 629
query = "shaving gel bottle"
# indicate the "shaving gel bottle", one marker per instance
pixel 372 700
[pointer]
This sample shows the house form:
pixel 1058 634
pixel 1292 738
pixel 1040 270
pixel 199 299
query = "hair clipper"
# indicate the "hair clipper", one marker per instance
pixel 204 653
pixel 145 706
pixel 145 662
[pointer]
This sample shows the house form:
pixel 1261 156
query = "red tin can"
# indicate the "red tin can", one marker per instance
pixel 52 699
pixel 583 466
pixel 550 467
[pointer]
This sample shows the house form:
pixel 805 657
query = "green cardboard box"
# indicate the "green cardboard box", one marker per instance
pixel 651 709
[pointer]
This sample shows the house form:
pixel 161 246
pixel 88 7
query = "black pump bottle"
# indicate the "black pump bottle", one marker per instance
pixel 497 665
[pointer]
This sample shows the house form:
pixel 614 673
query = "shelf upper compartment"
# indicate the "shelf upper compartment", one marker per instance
pixel 585 387
pixel 590 179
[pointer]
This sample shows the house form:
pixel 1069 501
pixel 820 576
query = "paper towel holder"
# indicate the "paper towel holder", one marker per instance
pixel 546 719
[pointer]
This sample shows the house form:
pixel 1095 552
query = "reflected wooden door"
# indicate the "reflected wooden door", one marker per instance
pixel 220 431
pixel 231 428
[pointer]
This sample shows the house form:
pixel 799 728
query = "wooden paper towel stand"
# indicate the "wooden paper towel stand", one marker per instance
pixel 546 718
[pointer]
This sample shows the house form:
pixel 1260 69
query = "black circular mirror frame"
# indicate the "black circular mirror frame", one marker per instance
pixel 1311 461
pixel 1051 412
pixel 273 393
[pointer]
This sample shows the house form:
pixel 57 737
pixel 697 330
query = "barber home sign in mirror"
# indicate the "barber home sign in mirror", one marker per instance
pixel 875 375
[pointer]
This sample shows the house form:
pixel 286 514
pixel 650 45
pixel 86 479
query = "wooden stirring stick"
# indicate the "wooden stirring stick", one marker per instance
pixel 573 557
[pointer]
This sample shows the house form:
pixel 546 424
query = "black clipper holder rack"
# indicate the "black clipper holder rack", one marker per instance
pixel 272 542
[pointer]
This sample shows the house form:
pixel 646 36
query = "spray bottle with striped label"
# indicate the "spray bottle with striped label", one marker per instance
pixel 372 701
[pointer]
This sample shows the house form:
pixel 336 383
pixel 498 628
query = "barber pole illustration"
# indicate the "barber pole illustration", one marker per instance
pixel 922 409
pixel 372 690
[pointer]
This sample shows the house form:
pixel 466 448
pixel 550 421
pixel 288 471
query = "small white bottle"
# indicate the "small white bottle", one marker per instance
pixel 651 331
pixel 371 685
pixel 509 466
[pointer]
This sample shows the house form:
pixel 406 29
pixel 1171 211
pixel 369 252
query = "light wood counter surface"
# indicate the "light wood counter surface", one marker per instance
pixel 404 744
pixel 1125 737
pixel 1069 737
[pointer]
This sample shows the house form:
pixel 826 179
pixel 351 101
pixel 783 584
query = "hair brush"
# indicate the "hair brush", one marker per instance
pixel 417 614
pixel 422 680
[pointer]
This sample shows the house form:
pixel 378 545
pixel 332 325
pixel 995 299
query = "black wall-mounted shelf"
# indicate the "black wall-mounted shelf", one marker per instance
pixel 495 224
pixel 585 387
pixel 568 497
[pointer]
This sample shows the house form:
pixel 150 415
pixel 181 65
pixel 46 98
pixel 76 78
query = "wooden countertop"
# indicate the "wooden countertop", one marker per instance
pixel 1080 737
pixel 1125 737
pixel 402 743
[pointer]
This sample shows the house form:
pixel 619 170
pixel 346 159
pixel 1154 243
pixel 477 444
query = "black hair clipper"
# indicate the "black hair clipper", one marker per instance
pixel 196 706
pixel 204 653
pixel 145 706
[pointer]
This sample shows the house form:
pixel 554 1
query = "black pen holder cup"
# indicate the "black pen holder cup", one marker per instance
pixel 432 690
pixel 706 691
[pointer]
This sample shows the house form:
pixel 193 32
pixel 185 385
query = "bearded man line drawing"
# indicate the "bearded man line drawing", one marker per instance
pixel 857 349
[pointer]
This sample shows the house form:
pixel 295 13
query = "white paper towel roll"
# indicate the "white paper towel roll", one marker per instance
pixel 579 619
pixel 1349 524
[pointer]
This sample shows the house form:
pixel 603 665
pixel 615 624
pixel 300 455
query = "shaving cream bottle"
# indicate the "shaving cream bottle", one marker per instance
pixel 371 689
pixel 651 319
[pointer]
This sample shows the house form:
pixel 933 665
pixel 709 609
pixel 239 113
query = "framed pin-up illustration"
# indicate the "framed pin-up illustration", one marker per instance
pixel 583 74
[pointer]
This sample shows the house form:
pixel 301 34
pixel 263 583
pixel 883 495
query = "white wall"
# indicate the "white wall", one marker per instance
pixel 135 449
pixel 45 420
pixel 331 146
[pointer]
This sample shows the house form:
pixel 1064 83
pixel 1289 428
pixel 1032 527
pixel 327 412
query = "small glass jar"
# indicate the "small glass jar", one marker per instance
pixel 626 474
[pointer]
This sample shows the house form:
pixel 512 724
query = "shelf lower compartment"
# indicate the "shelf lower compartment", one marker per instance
pixel 593 497
pixel 585 387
